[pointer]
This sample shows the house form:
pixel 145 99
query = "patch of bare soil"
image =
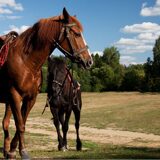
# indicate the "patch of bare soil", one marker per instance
pixel 108 136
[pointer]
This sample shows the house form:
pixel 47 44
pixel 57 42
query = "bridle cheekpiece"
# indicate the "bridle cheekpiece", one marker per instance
pixel 75 55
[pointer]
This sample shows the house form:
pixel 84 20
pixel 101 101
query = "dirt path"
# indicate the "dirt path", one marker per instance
pixel 109 135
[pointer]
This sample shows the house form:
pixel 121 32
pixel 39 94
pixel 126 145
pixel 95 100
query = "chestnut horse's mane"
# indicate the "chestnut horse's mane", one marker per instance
pixel 42 32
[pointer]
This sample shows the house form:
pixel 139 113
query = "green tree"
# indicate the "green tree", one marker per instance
pixel 156 58
pixel 133 78
pixel 111 56
pixel 152 69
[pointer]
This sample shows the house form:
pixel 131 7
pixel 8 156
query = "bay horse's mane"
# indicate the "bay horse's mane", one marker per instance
pixel 43 32
pixel 55 64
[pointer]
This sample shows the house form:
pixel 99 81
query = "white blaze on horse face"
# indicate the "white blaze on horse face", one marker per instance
pixel 87 48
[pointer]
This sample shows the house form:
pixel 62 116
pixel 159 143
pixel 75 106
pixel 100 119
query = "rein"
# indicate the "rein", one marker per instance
pixel 62 87
pixel 62 84
pixel 68 74
pixel 75 53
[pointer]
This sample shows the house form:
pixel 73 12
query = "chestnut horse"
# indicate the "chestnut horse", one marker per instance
pixel 64 96
pixel 27 54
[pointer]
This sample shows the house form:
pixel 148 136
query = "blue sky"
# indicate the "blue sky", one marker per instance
pixel 130 25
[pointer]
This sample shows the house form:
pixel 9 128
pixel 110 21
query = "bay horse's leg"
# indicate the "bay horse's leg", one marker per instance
pixel 77 115
pixel 5 124
pixel 57 125
pixel 26 107
pixel 65 127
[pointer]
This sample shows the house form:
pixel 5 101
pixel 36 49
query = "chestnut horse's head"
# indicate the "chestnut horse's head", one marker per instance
pixel 71 41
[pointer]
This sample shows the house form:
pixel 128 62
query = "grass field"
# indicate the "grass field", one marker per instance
pixel 113 125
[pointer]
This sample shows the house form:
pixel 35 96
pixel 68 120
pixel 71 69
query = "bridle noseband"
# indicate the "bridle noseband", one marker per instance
pixel 65 32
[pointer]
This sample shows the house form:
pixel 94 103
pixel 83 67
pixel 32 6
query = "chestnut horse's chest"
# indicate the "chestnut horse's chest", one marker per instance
pixel 25 82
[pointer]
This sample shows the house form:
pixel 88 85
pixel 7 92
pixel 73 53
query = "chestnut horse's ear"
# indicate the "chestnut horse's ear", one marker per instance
pixel 65 15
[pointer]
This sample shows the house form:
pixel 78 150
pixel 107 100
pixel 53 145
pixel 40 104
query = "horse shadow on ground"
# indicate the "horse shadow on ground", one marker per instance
pixel 136 153
pixel 116 152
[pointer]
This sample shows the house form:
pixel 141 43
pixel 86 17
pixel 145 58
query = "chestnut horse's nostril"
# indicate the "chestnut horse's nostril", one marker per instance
pixel 89 63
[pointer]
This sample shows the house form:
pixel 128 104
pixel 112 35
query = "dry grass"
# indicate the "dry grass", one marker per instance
pixel 101 113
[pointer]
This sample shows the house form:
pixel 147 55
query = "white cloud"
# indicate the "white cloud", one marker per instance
pixel 127 41
pixel 142 36
pixel 126 50
pixel 97 52
pixel 127 60
pixel 143 40
pixel 18 30
pixel 144 27
pixel 8 6
pixel 148 37
pixel 13 17
pixel 5 11
pixel 151 11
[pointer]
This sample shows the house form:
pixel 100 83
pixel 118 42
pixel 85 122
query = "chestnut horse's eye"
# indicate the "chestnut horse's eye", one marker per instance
pixel 78 35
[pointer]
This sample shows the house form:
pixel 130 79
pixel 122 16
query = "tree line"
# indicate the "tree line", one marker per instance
pixel 107 74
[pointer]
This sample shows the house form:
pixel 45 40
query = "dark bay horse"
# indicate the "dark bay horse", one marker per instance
pixel 21 72
pixel 64 96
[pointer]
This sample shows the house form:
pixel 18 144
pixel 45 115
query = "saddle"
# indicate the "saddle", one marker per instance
pixel 5 40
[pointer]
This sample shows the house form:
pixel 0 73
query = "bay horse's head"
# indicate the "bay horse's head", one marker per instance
pixel 71 41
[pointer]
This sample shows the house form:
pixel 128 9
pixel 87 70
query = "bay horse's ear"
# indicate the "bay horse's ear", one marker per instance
pixel 65 15
pixel 49 59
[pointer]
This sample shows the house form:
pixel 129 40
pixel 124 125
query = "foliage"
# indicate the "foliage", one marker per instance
pixel 107 74
pixel 152 70
pixel 134 76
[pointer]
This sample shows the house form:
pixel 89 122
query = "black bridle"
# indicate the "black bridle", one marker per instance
pixel 65 32
pixel 63 83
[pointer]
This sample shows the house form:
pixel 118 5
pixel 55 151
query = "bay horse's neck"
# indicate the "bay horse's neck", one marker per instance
pixel 41 42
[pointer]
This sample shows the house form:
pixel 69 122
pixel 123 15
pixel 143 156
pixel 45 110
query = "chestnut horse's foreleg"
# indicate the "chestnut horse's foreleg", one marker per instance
pixel 15 100
pixel 77 113
pixel 5 124
pixel 26 107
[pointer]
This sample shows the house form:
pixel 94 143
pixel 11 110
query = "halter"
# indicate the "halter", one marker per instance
pixel 61 84
pixel 75 53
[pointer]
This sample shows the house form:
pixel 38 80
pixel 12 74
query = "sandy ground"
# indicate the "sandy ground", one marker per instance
pixel 41 125
pixel 108 135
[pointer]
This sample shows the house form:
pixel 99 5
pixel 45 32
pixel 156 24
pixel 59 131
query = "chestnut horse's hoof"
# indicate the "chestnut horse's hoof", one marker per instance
pixel 24 154
pixel 11 155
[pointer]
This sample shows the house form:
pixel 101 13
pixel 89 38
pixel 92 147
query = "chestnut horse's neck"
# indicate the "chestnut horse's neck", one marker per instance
pixel 38 42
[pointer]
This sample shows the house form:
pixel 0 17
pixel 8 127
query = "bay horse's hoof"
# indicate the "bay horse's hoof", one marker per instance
pixel 79 146
pixel 24 154
pixel 5 153
pixel 64 149
pixel 11 155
